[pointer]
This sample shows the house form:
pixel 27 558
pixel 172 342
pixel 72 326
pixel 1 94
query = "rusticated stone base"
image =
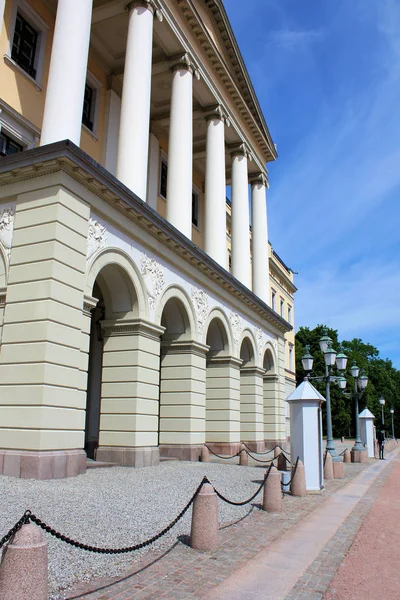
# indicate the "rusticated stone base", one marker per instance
pixel 224 448
pixel 338 469
pixel 285 444
pixel 359 456
pixel 44 464
pixel 129 457
pixel 255 446
pixel 181 451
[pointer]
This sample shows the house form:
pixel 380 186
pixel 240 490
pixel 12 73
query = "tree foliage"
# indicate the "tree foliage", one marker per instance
pixel 383 380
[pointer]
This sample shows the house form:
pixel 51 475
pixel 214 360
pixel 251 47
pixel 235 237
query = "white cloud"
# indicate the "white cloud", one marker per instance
pixel 292 39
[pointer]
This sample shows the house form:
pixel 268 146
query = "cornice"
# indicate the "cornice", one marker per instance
pixel 66 157
pixel 239 87
pixel 280 274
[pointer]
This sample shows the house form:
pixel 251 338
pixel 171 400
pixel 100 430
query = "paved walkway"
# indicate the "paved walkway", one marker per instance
pixel 291 556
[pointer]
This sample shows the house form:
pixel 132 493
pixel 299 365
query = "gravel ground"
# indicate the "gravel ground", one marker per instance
pixel 116 507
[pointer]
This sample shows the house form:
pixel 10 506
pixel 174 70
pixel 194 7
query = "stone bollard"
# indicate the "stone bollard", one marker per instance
pixel 282 462
pixel 347 456
pixel 23 570
pixel 205 454
pixel 243 457
pixel 298 485
pixel 272 496
pixel 204 531
pixel 338 469
pixel 328 467
pixel 342 439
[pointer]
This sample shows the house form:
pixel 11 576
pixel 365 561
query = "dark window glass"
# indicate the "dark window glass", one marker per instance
pixel 87 115
pixel 24 45
pixel 230 261
pixel 195 209
pixel 163 179
pixel 8 146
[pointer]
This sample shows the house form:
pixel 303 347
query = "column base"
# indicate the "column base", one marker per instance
pixel 181 451
pixel 224 448
pixel 338 469
pixel 128 456
pixel 258 446
pixel 42 464
pixel 359 456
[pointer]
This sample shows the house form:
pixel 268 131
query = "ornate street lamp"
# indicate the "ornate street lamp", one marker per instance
pixel 360 383
pixel 382 402
pixel 391 412
pixel 330 358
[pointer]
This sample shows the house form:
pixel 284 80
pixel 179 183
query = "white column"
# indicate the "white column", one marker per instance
pixel 180 148
pixel 135 106
pixel 111 128
pixel 240 216
pixel 260 238
pixel 153 171
pixel 62 117
pixel 2 2
pixel 215 188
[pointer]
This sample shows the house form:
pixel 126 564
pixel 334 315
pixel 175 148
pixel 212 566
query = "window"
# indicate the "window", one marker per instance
pixel 195 208
pixel 27 41
pixel 229 262
pixel 273 300
pixel 291 361
pixel 163 176
pixel 88 107
pixel 289 314
pixel 24 45
pixel 8 146
pixel 282 308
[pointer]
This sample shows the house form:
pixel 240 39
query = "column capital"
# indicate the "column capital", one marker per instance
pixel 89 303
pixel 259 178
pixel 216 112
pixel 151 5
pixel 241 150
pixel 184 62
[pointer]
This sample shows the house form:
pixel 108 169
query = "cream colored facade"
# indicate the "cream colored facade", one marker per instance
pixel 123 334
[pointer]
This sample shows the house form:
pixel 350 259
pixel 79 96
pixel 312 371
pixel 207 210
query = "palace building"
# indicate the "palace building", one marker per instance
pixel 142 313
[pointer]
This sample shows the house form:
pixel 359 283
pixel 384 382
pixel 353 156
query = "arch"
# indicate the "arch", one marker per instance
pixel 220 335
pixel 247 349
pixel 121 283
pixel 175 312
pixel 3 268
pixel 269 359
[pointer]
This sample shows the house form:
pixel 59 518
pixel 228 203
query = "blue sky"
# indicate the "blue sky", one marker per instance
pixel 327 76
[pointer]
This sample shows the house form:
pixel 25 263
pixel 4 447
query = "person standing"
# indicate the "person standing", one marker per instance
pixel 381 443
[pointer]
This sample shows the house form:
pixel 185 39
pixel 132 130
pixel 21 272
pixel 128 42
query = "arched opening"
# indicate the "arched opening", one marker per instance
pixel 271 404
pixel 116 304
pixel 251 398
pixel 182 383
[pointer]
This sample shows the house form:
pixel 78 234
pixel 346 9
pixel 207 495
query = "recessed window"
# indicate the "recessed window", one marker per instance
pixel 195 208
pixel 289 314
pixel 282 308
pixel 8 146
pixel 88 107
pixel 24 45
pixel 291 357
pixel 273 300
pixel 230 262
pixel 163 176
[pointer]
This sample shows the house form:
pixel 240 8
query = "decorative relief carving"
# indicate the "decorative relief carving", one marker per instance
pixel 97 237
pixel 7 217
pixel 200 302
pixel 259 335
pixel 153 274
pixel 236 324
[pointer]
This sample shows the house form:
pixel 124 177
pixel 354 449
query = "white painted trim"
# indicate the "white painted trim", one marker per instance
pixel 96 86
pixel 17 127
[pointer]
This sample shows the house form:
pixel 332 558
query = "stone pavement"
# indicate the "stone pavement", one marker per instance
pixel 182 573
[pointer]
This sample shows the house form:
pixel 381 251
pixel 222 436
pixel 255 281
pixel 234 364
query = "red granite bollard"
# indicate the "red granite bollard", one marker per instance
pixel 23 570
pixel 328 468
pixel 338 469
pixel 342 439
pixel 272 496
pixel 298 485
pixel 347 456
pixel 205 454
pixel 243 457
pixel 204 531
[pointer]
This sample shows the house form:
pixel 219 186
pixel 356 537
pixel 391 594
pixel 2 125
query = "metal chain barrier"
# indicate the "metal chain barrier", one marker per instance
pixel 251 498
pixel 29 517
pixel 267 461
pixel 267 451
pixel 223 457
pixel 294 472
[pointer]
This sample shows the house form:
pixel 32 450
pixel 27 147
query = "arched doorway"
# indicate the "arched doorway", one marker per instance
pixel 251 398
pixel 182 382
pixel 123 384
pixel 222 390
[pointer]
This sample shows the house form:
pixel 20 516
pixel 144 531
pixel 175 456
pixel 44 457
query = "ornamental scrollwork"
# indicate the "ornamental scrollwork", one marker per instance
pixel 7 217
pixel 259 335
pixel 200 303
pixel 236 324
pixel 153 275
pixel 97 237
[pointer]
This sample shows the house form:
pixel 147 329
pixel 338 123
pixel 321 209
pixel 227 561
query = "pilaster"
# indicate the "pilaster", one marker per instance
pixel 251 407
